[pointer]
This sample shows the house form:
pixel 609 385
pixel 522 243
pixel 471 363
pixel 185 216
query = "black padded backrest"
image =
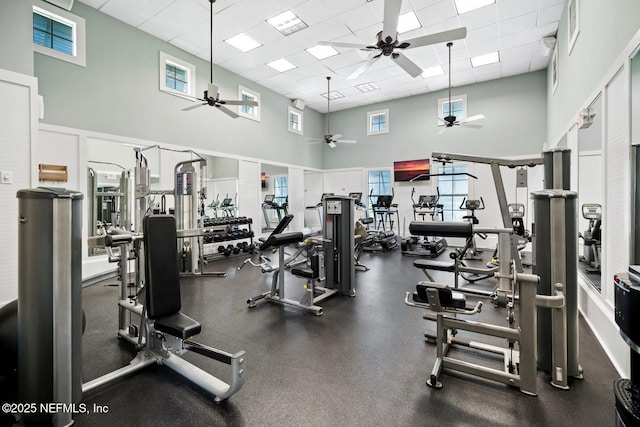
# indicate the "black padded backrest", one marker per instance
pixel 161 266
pixel 442 229
pixel 596 233
pixel 277 240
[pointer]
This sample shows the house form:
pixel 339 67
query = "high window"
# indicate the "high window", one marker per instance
pixel 458 107
pixel 177 77
pixel 378 122
pixel 59 34
pixel 249 111
pixel 295 120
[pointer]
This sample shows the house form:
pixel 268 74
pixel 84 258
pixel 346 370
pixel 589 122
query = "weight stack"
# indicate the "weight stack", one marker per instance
pixel 556 255
pixel 50 298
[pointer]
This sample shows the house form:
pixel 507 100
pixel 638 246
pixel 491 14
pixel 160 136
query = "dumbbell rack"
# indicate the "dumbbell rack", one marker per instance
pixel 220 232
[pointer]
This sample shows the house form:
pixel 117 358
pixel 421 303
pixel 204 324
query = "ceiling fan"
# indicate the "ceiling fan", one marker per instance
pixel 331 140
pixel 387 42
pixel 451 120
pixel 211 96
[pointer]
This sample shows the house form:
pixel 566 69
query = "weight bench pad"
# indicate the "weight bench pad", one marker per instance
pixel 277 240
pixel 441 229
pixel 448 298
pixel 426 264
pixel 307 273
pixel 179 325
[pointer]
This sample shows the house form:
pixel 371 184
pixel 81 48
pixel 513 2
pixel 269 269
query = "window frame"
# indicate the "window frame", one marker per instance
pixel 454 98
pixel 78 28
pixel 380 172
pixel 245 91
pixel 166 59
pixel 454 214
pixel 371 115
pixel 291 110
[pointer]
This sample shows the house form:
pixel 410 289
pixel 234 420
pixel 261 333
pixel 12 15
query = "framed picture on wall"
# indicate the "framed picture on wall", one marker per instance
pixel 573 21
pixel 554 70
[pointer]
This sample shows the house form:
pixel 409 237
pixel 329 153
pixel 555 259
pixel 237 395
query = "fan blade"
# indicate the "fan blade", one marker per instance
pixel 346 141
pixel 443 130
pixel 336 136
pixel 250 103
pixel 315 139
pixel 331 144
pixel 441 122
pixel 445 36
pixel 473 118
pixel 315 142
pixel 193 107
pixel 365 65
pixel 346 45
pixel 391 15
pixel 469 125
pixel 227 111
pixel 408 65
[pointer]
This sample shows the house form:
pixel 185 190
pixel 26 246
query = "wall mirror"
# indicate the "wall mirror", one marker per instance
pixel 635 141
pixel 591 193
pixel 313 189
pixel 222 187
pixel 274 183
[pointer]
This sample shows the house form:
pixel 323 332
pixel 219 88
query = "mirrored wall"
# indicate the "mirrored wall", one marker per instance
pixel 591 192
pixel 274 184
pixel 635 141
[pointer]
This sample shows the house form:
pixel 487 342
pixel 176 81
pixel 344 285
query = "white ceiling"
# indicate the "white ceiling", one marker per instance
pixel 515 28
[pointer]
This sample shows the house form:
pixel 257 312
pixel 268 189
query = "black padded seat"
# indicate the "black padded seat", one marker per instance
pixel 448 298
pixel 179 325
pixel 277 240
pixel 366 220
pixel 307 273
pixel 427 264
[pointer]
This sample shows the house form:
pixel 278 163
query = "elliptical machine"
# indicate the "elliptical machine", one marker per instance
pixel 429 246
pixel 470 250
pixel 592 236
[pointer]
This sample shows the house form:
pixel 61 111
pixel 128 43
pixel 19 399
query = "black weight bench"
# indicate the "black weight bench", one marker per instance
pixel 278 241
pixel 428 264
pixel 438 296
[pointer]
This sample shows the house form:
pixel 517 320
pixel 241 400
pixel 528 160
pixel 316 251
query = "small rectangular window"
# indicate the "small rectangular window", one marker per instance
pixel 59 34
pixel 249 111
pixel 458 107
pixel 378 122
pixel 177 77
pixel 295 120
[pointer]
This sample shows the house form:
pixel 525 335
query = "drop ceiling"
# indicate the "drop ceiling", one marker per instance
pixel 514 28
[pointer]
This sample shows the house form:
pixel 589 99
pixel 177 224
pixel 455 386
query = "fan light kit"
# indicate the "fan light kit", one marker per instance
pixel 329 139
pixel 387 42
pixel 451 120
pixel 211 96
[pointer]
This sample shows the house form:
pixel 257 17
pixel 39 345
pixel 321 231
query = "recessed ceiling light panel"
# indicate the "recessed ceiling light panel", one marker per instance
pixel 367 87
pixel 281 65
pixel 322 52
pixel 464 6
pixel 433 71
pixel 489 58
pixel 243 42
pixel 407 22
pixel 287 23
pixel 333 95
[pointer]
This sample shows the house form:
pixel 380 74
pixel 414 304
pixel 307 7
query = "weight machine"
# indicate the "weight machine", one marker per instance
pixel 431 246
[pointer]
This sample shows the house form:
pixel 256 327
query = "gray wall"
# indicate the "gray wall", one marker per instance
pixel 117 93
pixel 515 124
pixel 16 29
pixel 605 29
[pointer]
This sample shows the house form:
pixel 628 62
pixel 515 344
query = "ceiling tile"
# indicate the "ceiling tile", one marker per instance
pixel 483 34
pixel 518 25
pixel 436 13
pixel 134 14
pixel 359 18
pixel 175 19
pixel 480 17
pixel 550 14
pixel 483 48
pixel 94 3
pixel 508 9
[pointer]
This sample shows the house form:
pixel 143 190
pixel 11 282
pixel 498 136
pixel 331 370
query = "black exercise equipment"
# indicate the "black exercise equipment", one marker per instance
pixel 627 315
pixel 592 237
pixel 470 250
pixel 430 246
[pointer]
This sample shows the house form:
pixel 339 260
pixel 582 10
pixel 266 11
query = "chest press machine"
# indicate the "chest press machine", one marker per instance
pixel 165 332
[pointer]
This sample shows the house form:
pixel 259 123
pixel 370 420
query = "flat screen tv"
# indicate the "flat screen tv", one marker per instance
pixel 407 170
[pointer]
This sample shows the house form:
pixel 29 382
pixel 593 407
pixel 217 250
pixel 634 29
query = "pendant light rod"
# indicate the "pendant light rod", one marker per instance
pixel 211 2
pixel 449 46
pixel 328 106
